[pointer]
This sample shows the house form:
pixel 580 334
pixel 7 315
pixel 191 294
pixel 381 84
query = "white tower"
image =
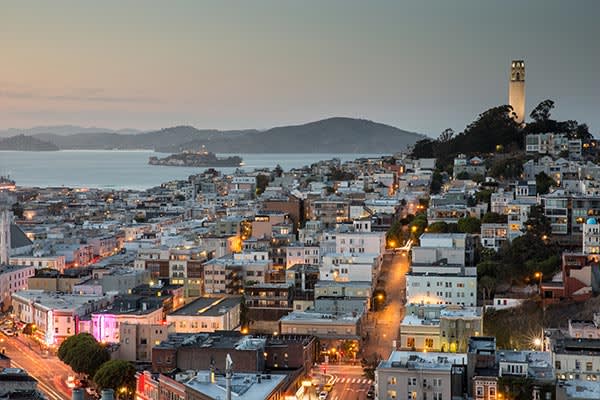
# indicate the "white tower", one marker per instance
pixel 5 221
pixel 516 89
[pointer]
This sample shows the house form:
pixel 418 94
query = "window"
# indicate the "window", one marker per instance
pixel 410 342
pixel 412 381
pixel 143 341
pixel 437 396
pixel 588 366
pixel 557 364
pixel 392 380
pixel 429 342
pixel 479 390
pixel 492 391
pixel 391 394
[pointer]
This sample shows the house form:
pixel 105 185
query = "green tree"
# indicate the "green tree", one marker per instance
pixel 463 176
pixel 17 210
pixel 543 183
pixel 487 285
pixel 262 181
pixel 83 353
pixel 494 218
pixel 541 113
pixel 469 225
pixel 537 223
pixel 436 182
pixel 118 375
pixel 438 227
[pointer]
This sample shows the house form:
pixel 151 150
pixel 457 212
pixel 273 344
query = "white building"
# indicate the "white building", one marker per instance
pixel 415 375
pixel 55 315
pixel 455 248
pixel 207 314
pixel 591 237
pixel 348 268
pixel 49 262
pixel 13 278
pixel 441 285
pixel 493 236
pixel 298 253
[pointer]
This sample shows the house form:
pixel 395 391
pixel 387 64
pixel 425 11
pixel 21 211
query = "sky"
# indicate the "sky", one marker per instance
pixel 419 65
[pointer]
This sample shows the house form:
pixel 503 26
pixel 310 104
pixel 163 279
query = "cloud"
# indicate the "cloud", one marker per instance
pixel 90 95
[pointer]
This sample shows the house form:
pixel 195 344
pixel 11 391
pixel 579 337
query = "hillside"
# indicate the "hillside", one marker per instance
pixel 341 135
pixel 26 143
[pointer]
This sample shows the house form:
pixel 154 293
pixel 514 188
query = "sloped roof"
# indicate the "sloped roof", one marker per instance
pixel 18 238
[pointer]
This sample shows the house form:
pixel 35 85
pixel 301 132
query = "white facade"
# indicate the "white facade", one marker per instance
pixel 493 236
pixel 55 316
pixel 345 268
pixel 591 237
pixel 50 262
pixel 301 254
pixel 439 288
pixel 360 243
pixel 12 279
pixel 5 220
pixel 415 375
pixel 106 325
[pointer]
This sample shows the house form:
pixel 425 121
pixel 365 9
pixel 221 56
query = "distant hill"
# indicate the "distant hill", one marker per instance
pixel 62 130
pixel 26 143
pixel 341 135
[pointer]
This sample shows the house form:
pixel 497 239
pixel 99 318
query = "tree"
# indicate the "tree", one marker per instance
pixel 438 227
pixel 446 135
pixel 262 181
pixel 537 223
pixel 118 375
pixel 17 210
pixel 494 218
pixel 83 353
pixel 541 113
pixel 436 182
pixel 424 148
pixel 487 285
pixel 463 176
pixel 469 225
pixel 543 183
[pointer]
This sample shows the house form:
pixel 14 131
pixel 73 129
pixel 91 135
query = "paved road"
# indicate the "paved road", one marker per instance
pixel 348 381
pixel 49 371
pixel 383 326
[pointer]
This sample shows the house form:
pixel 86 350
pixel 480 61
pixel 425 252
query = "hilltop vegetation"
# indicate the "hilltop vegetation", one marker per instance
pixel 26 143
pixel 495 131
pixel 341 135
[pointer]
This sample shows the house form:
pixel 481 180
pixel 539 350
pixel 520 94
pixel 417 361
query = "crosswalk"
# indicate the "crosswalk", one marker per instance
pixel 358 381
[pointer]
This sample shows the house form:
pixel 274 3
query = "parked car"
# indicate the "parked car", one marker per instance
pixel 323 396
pixel 371 393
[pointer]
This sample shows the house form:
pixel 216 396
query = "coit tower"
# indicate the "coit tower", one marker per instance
pixel 516 89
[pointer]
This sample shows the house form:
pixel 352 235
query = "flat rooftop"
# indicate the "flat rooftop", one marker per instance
pixel 320 318
pixel 208 306
pixel 246 386
pixel 423 361
pixel 52 300
pixel 221 340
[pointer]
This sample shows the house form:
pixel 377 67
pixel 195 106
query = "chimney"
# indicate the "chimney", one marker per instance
pixel 107 394
pixel 77 394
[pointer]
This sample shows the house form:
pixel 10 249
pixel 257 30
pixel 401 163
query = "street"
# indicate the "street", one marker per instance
pixel 383 327
pixel 49 371
pixel 348 381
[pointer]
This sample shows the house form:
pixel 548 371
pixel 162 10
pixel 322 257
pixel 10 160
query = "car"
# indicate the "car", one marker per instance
pixel 8 332
pixel 328 387
pixel 71 382
pixel 371 393
pixel 323 396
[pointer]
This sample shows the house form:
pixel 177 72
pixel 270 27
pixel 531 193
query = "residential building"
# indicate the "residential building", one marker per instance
pixel 56 316
pixel 13 278
pixel 207 314
pixel 417 375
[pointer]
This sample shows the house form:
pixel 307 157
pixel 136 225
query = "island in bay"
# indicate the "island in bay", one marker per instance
pixel 201 158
